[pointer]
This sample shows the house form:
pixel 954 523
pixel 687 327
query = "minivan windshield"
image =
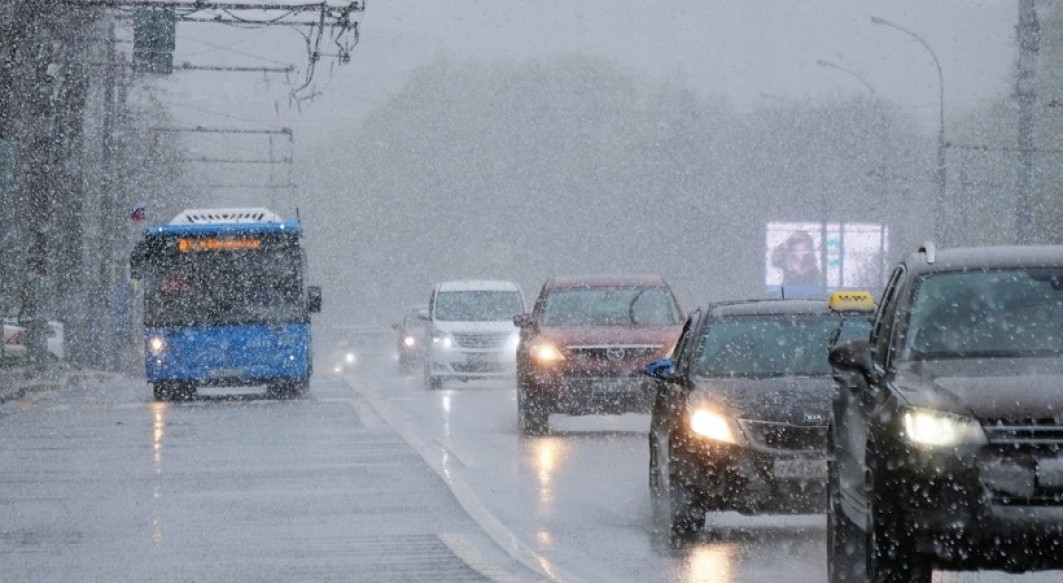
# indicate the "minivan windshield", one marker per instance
pixel 477 305
pixel 1008 312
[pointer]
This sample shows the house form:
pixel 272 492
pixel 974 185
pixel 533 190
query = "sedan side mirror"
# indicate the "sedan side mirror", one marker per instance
pixel 313 299
pixel 522 320
pixel 422 314
pixel 854 356
pixel 662 369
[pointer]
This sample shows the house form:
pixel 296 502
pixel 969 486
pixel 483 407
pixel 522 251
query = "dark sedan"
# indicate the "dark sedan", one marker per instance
pixel 740 418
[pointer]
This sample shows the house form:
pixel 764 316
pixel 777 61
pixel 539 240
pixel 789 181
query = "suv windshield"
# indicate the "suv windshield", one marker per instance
pixel 610 306
pixel 1015 312
pixel 477 306
pixel 769 346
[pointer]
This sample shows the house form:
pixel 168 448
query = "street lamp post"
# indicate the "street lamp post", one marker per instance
pixel 942 171
pixel 849 72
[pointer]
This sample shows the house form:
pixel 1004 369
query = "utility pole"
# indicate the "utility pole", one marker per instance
pixel 1029 37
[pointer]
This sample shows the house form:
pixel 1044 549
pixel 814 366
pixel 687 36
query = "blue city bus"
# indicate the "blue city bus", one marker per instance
pixel 225 303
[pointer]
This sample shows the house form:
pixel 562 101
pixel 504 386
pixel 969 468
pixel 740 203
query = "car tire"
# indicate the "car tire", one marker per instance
pixel 889 551
pixel 677 514
pixel 173 391
pixel 431 382
pixel 845 542
pixel 533 418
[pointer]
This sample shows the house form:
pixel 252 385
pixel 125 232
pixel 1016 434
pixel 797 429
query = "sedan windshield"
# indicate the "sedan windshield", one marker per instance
pixel 610 306
pixel 768 346
pixel 1015 312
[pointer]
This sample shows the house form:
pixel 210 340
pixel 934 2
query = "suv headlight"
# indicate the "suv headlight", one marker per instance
pixel 545 352
pixel 940 429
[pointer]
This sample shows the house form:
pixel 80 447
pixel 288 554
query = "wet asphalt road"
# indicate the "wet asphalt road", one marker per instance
pixel 369 478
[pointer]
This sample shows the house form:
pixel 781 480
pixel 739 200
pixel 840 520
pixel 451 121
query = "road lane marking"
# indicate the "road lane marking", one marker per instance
pixel 463 458
pixel 432 454
pixel 471 555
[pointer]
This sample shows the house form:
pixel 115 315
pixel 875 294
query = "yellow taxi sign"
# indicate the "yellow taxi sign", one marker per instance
pixel 851 301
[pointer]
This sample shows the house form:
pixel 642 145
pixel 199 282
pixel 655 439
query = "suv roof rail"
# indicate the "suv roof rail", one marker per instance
pixel 930 250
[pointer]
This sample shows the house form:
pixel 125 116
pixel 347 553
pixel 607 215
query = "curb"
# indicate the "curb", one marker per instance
pixel 15 385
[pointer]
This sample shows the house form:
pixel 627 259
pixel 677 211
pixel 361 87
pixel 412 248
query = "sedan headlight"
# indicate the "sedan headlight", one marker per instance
pixel 708 423
pixel 157 345
pixel 350 358
pixel 545 352
pixel 409 341
pixel 937 428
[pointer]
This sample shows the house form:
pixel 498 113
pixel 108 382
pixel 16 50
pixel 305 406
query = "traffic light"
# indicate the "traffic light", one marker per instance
pixel 154 35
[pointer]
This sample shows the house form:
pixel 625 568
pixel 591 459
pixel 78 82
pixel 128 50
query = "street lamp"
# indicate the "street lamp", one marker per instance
pixel 851 73
pixel 942 175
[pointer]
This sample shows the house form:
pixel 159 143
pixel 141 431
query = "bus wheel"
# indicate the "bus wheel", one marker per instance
pixel 173 391
pixel 287 389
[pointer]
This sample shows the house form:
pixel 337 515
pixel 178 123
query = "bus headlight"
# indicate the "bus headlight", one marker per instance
pixel 157 345
pixel 409 341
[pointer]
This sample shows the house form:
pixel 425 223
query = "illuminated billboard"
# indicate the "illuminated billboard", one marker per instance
pixel 811 259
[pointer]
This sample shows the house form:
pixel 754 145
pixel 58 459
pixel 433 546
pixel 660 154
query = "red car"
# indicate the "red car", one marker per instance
pixel 583 346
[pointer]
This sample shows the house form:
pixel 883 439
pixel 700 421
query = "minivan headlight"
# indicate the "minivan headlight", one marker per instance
pixel 440 338
pixel 940 429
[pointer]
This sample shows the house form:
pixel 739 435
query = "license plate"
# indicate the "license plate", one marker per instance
pixel 800 469
pixel 224 373
pixel 481 357
pixel 1050 473
pixel 610 387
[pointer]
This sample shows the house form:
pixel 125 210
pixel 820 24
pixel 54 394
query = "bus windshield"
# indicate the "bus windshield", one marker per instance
pixel 262 286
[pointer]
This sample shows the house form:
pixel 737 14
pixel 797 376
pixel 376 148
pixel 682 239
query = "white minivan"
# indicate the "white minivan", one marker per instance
pixel 471 333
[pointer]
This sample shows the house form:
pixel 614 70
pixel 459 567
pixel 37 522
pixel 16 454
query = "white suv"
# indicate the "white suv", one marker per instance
pixel 471 333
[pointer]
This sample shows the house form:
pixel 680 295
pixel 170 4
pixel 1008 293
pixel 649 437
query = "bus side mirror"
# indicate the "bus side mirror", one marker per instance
pixel 313 299
pixel 136 261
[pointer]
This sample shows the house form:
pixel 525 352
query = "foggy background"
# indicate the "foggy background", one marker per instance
pixel 477 139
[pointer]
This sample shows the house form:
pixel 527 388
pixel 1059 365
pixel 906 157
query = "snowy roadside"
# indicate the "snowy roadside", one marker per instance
pixel 18 381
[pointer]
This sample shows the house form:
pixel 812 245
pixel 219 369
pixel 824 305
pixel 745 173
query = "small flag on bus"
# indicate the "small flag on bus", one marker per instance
pixel 140 212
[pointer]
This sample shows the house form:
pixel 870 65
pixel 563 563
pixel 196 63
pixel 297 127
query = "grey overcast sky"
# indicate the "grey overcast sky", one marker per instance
pixel 754 52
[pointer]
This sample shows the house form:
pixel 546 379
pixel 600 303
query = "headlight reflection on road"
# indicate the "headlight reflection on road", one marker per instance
pixel 157 435
pixel 547 453
pixel 710 563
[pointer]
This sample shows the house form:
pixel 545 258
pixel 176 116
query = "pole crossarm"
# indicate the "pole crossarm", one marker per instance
pixel 244 185
pixel 209 130
pixel 205 160
pixel 320 14
pixel 219 68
